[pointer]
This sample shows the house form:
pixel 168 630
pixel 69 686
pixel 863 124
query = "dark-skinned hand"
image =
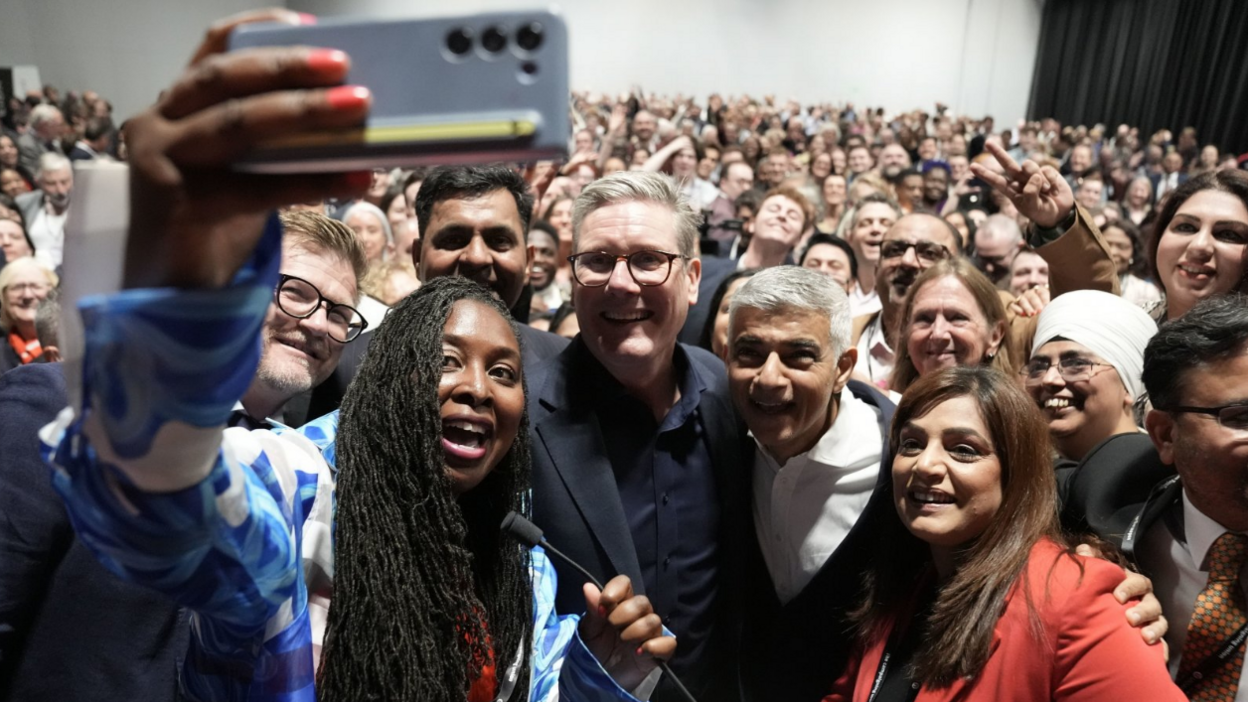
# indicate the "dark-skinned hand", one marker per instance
pixel 623 632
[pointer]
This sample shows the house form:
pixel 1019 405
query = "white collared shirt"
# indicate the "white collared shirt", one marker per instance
pixel 861 302
pixel 47 233
pixel 1180 574
pixel 804 509
pixel 875 356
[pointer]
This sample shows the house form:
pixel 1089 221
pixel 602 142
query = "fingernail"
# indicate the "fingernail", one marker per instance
pixel 1135 618
pixel 347 97
pixel 305 18
pixel 640 650
pixel 602 610
pixel 326 60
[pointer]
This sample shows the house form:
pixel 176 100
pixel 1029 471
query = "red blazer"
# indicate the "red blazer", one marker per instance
pixel 1089 653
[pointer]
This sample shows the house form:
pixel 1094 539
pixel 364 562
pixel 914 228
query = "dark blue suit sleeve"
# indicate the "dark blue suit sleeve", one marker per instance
pixel 34 529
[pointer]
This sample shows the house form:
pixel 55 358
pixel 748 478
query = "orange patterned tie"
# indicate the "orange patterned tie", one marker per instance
pixel 1220 612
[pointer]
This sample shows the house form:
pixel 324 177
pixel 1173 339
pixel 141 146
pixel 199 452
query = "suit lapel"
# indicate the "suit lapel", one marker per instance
pixel 574 441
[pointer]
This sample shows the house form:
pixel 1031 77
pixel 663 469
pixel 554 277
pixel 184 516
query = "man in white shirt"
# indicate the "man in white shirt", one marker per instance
pixel 1185 531
pixel 818 444
pixel 45 209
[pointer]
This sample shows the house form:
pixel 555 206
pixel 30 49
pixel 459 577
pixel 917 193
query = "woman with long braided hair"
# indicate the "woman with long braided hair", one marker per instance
pixel 377 534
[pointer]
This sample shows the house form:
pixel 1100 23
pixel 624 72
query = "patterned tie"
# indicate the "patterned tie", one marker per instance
pixel 1220 612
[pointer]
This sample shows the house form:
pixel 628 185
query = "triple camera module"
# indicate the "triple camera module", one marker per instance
pixel 494 40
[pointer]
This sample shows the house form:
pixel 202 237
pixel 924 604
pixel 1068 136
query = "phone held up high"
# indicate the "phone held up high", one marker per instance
pixel 469 89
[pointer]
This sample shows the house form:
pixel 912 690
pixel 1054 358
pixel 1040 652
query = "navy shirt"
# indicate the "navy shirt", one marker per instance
pixel 667 487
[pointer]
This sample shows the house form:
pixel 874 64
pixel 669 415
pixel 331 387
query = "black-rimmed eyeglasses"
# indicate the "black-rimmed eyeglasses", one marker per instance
pixel 926 250
pixel 649 268
pixel 1233 416
pixel 301 299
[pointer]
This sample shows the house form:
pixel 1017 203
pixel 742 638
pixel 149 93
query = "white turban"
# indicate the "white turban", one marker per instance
pixel 1111 327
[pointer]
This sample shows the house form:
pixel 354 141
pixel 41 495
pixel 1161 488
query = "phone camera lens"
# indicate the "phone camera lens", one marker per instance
pixel 493 40
pixel 530 36
pixel 459 41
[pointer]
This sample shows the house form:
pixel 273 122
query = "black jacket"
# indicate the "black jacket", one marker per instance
pixel 69 629
pixel 794 652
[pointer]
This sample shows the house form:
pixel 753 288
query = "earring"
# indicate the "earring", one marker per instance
pixel 1131 260
pixel 991 355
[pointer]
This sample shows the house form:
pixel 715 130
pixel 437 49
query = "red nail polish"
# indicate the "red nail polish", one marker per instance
pixel 640 651
pixel 326 60
pixel 347 97
pixel 602 610
pixel 305 18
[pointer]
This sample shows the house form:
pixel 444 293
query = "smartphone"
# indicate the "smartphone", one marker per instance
pixel 452 90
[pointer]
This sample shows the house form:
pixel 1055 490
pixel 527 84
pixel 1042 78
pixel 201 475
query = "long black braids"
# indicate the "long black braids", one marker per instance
pixel 421 579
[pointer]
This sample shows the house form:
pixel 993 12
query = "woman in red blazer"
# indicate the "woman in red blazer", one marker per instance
pixel 973 594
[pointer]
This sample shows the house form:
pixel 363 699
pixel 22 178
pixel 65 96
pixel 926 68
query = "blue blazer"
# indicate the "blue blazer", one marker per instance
pixel 577 504
pixel 69 629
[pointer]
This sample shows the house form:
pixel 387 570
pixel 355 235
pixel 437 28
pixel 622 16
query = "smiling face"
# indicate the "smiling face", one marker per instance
pixel 629 328
pixel 946 476
pixel 480 238
pixel 11 182
pixel 1081 412
pixel 8 151
pixel 481 393
pixel 22 295
pixel 369 230
pixel 685 163
pixel 560 217
pixel 779 221
pixel 12 241
pixel 784 374
pixel 545 261
pixel 896 274
pixel 946 328
pixel 1201 253
pixel 1028 270
pixel 297 354
pixel 871 222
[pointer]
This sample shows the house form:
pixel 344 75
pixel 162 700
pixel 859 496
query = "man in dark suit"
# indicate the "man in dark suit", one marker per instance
pixel 473 222
pixel 819 450
pixel 69 629
pixel 1178 505
pixel 637 453
pixel 1172 175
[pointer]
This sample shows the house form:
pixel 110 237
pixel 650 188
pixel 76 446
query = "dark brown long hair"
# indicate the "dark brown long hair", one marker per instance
pixel 958 633
pixel 1228 181
pixel 424 583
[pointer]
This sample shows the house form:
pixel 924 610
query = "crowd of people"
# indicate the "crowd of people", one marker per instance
pixel 839 405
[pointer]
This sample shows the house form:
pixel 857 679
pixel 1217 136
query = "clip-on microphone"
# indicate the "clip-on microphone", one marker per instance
pixel 530 535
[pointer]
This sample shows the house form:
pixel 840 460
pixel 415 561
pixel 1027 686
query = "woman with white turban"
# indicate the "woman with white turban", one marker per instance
pixel 1085 367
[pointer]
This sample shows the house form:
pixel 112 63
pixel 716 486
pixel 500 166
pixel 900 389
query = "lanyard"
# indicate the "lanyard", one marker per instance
pixel 1212 663
pixel 879 677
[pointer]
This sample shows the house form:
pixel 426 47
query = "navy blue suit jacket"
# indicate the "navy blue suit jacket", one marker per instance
pixel 69 629
pixel 577 504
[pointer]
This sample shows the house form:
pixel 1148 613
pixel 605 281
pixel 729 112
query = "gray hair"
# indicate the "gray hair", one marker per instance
pixel 51 162
pixel 638 186
pixel 999 226
pixel 43 112
pixel 797 288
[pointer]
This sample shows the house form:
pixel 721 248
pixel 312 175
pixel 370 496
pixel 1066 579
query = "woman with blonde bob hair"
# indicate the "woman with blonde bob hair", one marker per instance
pixel 24 283
pixel 972 594
pixel 953 317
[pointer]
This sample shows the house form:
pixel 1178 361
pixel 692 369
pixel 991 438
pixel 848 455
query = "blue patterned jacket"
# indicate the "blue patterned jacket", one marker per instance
pixel 234 525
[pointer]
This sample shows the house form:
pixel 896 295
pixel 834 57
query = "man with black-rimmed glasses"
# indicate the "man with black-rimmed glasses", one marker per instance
pixel 312 317
pixel 638 457
pixel 1176 501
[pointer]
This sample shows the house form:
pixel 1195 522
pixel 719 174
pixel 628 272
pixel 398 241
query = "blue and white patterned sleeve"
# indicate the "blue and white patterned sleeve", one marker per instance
pixel 168 499
pixel 562 666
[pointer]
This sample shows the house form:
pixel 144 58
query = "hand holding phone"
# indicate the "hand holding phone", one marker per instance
pixel 193 219
pixel 471 89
